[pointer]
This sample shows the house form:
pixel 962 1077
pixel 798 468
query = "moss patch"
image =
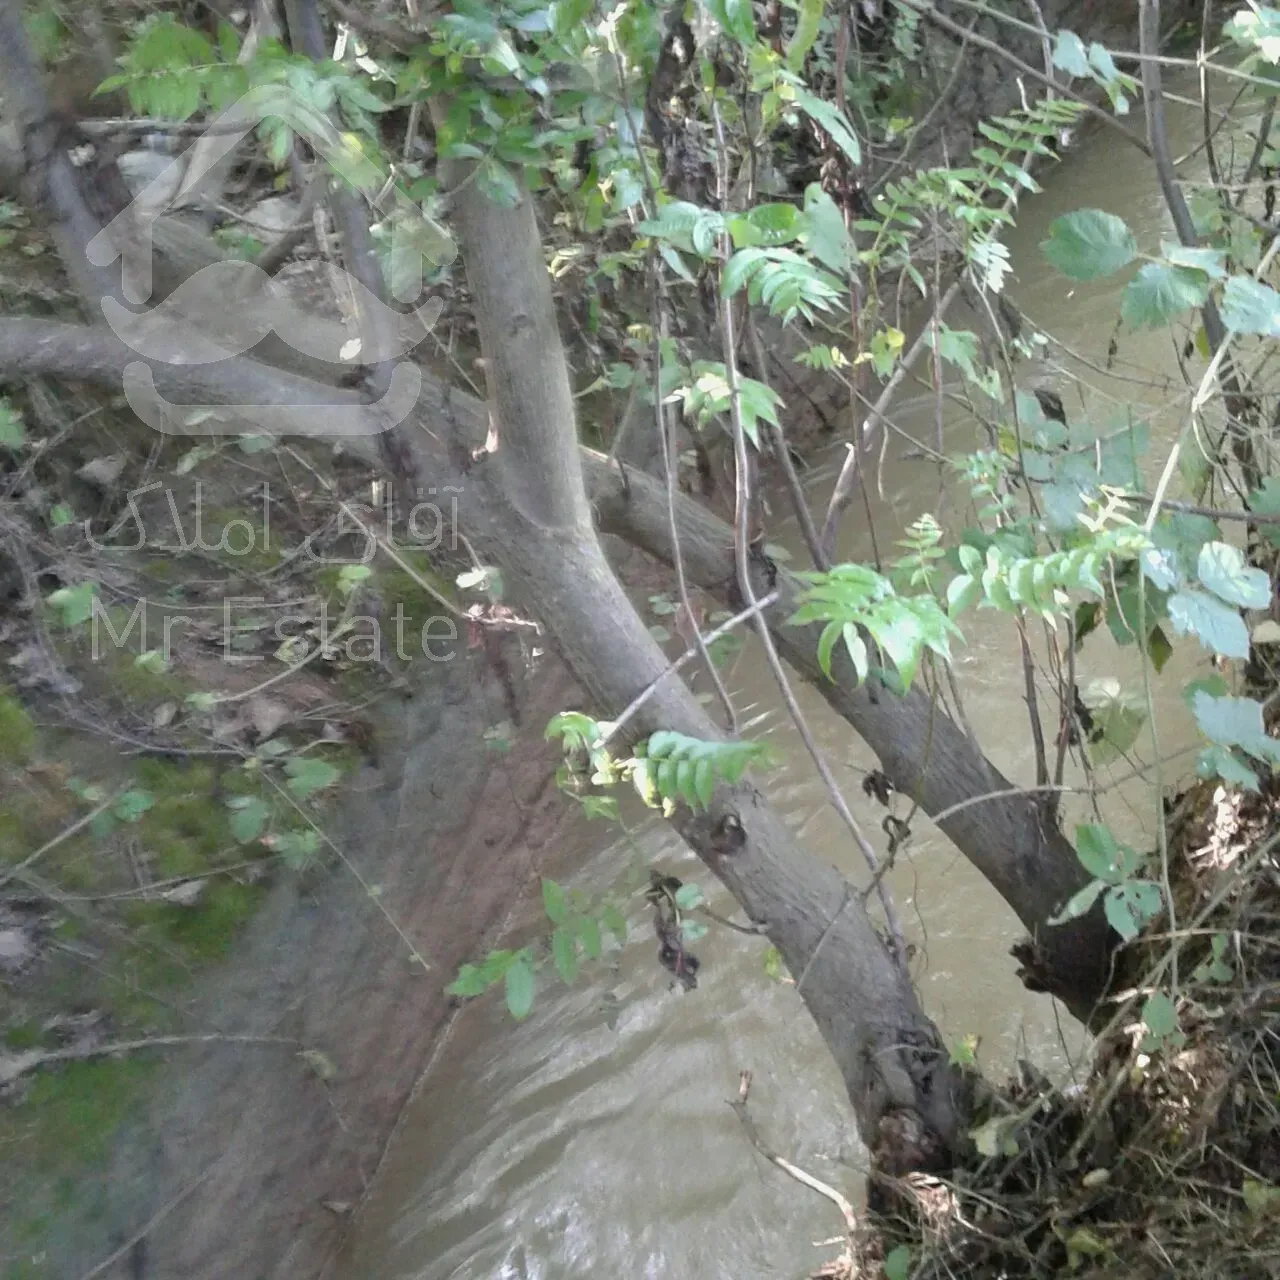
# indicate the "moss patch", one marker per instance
pixel 69 1115
pixel 17 733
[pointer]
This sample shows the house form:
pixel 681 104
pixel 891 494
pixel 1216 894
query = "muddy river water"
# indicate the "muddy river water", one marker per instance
pixel 590 1143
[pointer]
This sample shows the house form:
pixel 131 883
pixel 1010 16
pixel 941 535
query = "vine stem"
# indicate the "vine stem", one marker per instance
pixel 742 507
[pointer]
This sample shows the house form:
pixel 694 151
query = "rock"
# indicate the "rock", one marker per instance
pixel 274 215
pixel 186 894
pixel 15 948
pixel 102 472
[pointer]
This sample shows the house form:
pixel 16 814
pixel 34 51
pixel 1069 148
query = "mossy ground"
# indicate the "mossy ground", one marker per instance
pixel 118 915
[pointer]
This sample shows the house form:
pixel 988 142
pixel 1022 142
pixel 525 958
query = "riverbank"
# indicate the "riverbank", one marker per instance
pixel 309 980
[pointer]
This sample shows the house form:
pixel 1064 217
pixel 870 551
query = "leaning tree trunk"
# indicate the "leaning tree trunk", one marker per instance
pixel 537 521
pixel 1007 835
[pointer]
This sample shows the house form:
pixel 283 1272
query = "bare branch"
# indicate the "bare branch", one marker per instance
pixel 739 1105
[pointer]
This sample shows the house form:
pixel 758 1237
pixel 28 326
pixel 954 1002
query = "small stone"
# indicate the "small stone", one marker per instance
pixel 186 894
pixel 102 472
pixel 15 948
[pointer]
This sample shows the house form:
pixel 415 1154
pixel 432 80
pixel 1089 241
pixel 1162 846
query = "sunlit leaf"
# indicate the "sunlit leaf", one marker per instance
pixel 1223 570
pixel 1213 623
pixel 1250 307
pixel 1221 762
pixel 1131 905
pixel 1080 902
pixel 1234 722
pixel 1069 54
pixel 1159 292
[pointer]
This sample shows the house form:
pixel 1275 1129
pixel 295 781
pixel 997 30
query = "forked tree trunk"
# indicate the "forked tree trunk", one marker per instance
pixel 537 519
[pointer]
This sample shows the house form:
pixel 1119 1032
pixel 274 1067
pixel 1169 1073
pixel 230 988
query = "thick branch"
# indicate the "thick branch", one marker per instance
pixel 535 510
pixel 923 752
pixel 48 181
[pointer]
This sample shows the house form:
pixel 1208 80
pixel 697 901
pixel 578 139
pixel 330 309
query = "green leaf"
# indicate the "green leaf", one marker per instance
pixel 564 953
pixel 734 18
pixel 897 1263
pixel 1069 54
pixel 1212 623
pixel 1159 650
pixel 1129 906
pixel 958 347
pixel 806 33
pixel 1089 243
pixel 497 183
pixel 12 434
pixel 1080 902
pixel 1221 762
pixel 1160 1015
pixel 553 902
pixel 1159 292
pixel 308 774
pixel 75 604
pixel 249 816
pixel 1250 307
pixel 692 930
pixel 822 230
pixel 1235 722
pixel 1223 570
pixel 1159 568
pixel 471 981
pixel 1099 853
pixel 133 804
pixel 678 759
pixel 1260 1198
pixel 688 896
pixel 963 592
pixel 1211 261
pixel 519 986
pixel 589 935
pixel 1118 717
pixel 1266 502
pixel 615 922
pixel 829 117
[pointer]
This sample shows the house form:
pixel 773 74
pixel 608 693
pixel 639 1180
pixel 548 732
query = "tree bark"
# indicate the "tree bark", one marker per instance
pixel 537 520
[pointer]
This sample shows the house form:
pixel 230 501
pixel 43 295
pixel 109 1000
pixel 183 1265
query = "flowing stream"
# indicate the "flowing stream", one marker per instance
pixel 569 1147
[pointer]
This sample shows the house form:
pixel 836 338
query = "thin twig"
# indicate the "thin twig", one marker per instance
pixel 14 873
pixel 742 506
pixel 159 1216
pixel 931 14
pixel 842 494
pixel 683 660
pixel 1033 705
pixel 799 504
pixel 739 1105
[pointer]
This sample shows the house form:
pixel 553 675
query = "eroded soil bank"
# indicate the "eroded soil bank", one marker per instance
pixel 242 1157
